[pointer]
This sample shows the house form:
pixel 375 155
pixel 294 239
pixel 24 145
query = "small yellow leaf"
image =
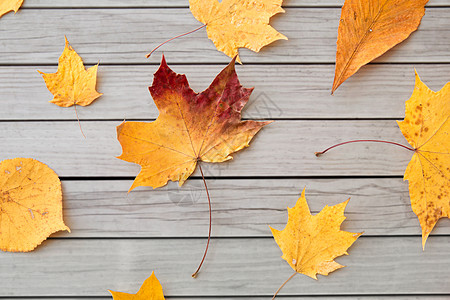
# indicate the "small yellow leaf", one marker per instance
pixel 72 84
pixel 234 24
pixel 9 5
pixel 426 127
pixel 311 243
pixel 151 289
pixel 30 204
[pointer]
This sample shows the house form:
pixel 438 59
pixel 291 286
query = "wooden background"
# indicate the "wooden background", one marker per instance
pixel 118 239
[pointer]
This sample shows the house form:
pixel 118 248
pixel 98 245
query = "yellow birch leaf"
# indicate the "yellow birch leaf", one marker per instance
pixel 234 24
pixel 151 289
pixel 9 5
pixel 30 204
pixel 426 127
pixel 311 243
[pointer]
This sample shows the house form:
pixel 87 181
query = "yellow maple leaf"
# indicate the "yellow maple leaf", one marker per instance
pixel 311 243
pixel 151 289
pixel 190 128
pixel 426 127
pixel 234 24
pixel 9 5
pixel 30 204
pixel 72 84
pixel 369 28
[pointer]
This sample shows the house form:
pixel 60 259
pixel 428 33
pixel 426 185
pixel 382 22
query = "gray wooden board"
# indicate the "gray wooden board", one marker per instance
pixel 241 208
pixel 117 238
pixel 177 3
pixel 281 91
pixel 125 36
pixel 381 265
pixel 283 148
pixel 410 297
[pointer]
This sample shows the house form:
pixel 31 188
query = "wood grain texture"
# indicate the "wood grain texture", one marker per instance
pixel 284 148
pixel 281 91
pixel 410 297
pixel 241 208
pixel 125 36
pixel 176 3
pixel 90 267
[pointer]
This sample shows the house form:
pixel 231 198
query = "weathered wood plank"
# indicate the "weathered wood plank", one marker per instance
pixel 235 267
pixel 125 36
pixel 284 148
pixel 281 91
pixel 178 3
pixel 411 297
pixel 242 207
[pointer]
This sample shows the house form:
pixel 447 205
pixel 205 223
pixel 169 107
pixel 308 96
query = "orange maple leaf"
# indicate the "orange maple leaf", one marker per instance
pixel 369 28
pixel 151 289
pixel 30 204
pixel 426 127
pixel 191 127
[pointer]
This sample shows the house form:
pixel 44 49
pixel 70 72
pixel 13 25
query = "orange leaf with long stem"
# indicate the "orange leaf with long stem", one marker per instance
pixel 191 128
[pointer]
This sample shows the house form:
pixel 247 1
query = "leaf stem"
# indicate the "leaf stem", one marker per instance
pixel 78 119
pixel 192 31
pixel 279 289
pixel 363 141
pixel 210 223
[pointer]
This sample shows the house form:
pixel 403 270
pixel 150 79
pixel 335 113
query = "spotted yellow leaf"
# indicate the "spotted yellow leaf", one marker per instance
pixel 426 127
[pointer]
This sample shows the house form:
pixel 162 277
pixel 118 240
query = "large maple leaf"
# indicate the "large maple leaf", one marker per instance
pixel 30 204
pixel 426 127
pixel 9 5
pixel 190 128
pixel 72 84
pixel 234 24
pixel 311 243
pixel 369 28
pixel 151 289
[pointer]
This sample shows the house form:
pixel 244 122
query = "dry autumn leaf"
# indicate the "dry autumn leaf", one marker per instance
pixel 30 204
pixel 72 84
pixel 190 128
pixel 9 5
pixel 426 127
pixel 369 28
pixel 311 243
pixel 234 24
pixel 151 289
